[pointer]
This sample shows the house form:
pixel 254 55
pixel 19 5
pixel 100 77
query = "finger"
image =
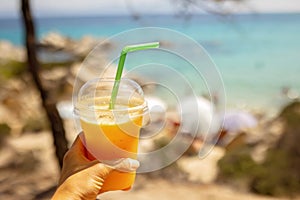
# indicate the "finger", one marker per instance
pixel 78 144
pixel 128 164
pixel 78 148
pixel 99 169
pixel 84 149
pixel 123 164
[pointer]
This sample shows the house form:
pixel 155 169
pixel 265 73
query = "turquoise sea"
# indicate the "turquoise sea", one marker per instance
pixel 258 55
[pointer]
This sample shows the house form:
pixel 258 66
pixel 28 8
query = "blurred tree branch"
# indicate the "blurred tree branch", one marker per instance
pixel 186 8
pixel 49 104
pixel 218 7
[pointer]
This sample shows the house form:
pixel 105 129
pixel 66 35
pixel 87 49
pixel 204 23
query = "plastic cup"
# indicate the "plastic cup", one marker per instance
pixel 112 134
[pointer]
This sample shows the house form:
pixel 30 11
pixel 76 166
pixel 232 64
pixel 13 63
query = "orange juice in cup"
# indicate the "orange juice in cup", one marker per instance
pixel 112 134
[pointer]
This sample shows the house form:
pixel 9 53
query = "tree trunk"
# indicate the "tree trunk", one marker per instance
pixel 49 104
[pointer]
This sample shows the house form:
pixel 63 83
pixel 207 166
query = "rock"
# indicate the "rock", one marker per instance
pixel 85 45
pixel 56 40
pixel 202 170
pixel 94 69
pixel 54 74
pixel 10 52
pixel 17 107
pixel 81 47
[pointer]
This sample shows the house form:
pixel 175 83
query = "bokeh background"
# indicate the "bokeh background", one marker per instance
pixel 255 45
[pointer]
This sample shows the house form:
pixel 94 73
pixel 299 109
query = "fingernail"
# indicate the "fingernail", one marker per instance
pixel 133 164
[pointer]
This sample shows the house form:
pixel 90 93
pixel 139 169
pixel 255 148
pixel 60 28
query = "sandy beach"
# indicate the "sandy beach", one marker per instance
pixel 29 171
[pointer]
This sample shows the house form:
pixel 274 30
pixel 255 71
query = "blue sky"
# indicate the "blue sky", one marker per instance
pixel 111 7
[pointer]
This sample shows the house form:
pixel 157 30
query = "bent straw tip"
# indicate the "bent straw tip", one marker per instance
pixel 138 47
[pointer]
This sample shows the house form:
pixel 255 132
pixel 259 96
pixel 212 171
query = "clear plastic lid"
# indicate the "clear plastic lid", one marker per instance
pixel 94 97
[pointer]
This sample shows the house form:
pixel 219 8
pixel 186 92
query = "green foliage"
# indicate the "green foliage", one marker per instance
pixel 276 176
pixel 11 68
pixel 237 164
pixel 51 65
pixel 291 114
pixel 36 124
pixel 161 142
pixel 4 129
pixel 279 174
pixel 4 133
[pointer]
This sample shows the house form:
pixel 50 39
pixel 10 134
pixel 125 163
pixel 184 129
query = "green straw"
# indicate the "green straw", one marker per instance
pixel 124 52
